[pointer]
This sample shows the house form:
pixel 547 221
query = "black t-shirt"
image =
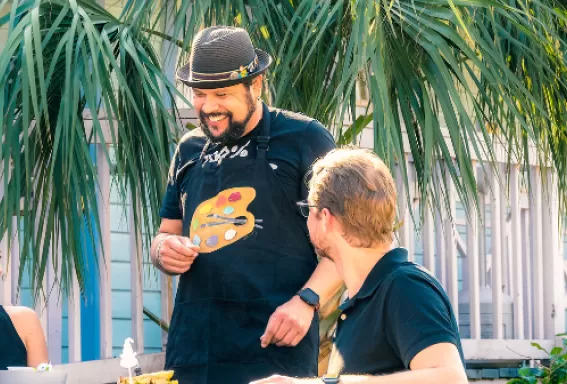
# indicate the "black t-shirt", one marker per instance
pixel 296 141
pixel 400 310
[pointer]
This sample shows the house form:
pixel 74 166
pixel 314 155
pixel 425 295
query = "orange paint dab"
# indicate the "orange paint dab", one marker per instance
pixel 221 201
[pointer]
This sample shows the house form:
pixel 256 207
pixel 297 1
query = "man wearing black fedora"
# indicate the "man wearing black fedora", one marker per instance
pixel 250 283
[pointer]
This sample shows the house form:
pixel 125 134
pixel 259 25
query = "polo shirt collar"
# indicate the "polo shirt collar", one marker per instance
pixel 386 265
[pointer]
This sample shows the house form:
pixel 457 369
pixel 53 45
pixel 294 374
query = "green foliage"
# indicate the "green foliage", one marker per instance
pixel 555 372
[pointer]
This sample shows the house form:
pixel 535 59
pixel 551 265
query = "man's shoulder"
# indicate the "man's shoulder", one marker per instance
pixel 411 277
pixel 283 115
pixel 194 136
pixel 289 121
pixel 20 314
pixel 192 142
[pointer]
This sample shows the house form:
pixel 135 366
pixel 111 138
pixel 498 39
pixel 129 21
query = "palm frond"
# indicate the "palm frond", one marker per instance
pixel 65 61
pixel 440 74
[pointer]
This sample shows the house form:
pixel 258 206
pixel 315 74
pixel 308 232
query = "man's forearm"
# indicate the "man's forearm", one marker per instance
pixel 422 376
pixel 325 281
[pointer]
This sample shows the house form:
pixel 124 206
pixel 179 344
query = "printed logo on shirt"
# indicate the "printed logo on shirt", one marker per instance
pixel 227 151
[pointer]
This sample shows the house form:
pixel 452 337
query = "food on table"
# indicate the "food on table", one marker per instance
pixel 162 377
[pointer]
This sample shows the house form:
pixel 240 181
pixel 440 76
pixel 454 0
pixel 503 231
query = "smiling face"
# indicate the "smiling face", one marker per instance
pixel 225 113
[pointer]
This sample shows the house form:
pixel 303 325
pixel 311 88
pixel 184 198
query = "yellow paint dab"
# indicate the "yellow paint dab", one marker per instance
pixel 205 209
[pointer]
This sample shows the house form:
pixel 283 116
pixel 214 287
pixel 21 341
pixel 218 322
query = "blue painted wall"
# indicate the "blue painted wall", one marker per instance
pixel 121 293
pixel 120 279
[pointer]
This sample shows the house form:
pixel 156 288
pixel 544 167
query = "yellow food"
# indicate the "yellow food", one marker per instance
pixel 163 377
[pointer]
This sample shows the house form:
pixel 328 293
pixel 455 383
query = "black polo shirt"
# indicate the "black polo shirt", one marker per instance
pixel 400 310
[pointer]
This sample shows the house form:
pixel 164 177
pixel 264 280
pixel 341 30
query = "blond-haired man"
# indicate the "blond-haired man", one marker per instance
pixel 397 326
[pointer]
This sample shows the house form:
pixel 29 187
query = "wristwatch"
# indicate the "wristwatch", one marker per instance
pixel 310 297
pixel 331 379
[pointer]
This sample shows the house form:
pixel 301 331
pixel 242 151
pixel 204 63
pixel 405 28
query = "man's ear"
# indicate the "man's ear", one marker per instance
pixel 327 219
pixel 257 85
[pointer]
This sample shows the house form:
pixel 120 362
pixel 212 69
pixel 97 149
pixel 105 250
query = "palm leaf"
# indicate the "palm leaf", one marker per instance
pixel 440 74
pixel 62 60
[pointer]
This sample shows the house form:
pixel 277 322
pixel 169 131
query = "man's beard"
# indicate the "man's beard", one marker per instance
pixel 235 129
pixel 321 251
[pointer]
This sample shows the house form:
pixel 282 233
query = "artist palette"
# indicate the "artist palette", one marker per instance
pixel 223 220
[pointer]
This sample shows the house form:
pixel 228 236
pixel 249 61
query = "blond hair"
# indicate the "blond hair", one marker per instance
pixel 357 188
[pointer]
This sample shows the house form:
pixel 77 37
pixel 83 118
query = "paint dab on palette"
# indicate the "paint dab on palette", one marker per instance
pixel 228 211
pixel 205 209
pixel 195 224
pixel 235 196
pixel 221 201
pixel 196 240
pixel 230 234
pixel 212 241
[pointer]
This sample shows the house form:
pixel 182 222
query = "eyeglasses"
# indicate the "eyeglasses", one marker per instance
pixel 304 207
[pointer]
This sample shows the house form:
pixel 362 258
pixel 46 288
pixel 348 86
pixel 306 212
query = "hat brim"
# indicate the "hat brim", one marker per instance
pixel 184 73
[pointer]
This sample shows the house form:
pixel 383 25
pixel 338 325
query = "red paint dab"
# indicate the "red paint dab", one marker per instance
pixel 235 196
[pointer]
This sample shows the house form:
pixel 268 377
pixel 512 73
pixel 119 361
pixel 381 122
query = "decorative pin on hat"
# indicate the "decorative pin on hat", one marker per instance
pixel 222 56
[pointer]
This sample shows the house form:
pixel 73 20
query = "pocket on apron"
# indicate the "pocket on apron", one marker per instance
pixel 188 338
pixel 236 327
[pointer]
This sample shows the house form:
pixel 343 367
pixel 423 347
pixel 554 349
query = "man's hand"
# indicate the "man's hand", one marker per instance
pixel 289 324
pixel 277 379
pixel 176 254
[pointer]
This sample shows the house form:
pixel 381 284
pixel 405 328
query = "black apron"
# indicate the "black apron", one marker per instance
pixel 224 301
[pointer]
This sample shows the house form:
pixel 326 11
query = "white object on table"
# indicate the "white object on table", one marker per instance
pixel 128 357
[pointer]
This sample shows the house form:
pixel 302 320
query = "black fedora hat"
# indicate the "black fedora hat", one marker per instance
pixel 222 56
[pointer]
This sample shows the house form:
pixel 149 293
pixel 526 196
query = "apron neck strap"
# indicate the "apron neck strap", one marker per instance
pixel 263 138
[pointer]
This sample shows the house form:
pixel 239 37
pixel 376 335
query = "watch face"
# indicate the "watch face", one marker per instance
pixel 309 296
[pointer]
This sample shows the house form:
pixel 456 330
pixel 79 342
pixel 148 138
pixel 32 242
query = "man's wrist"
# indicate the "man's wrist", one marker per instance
pixel 157 256
pixel 308 296
pixel 158 252
pixel 331 379
pixel 296 297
